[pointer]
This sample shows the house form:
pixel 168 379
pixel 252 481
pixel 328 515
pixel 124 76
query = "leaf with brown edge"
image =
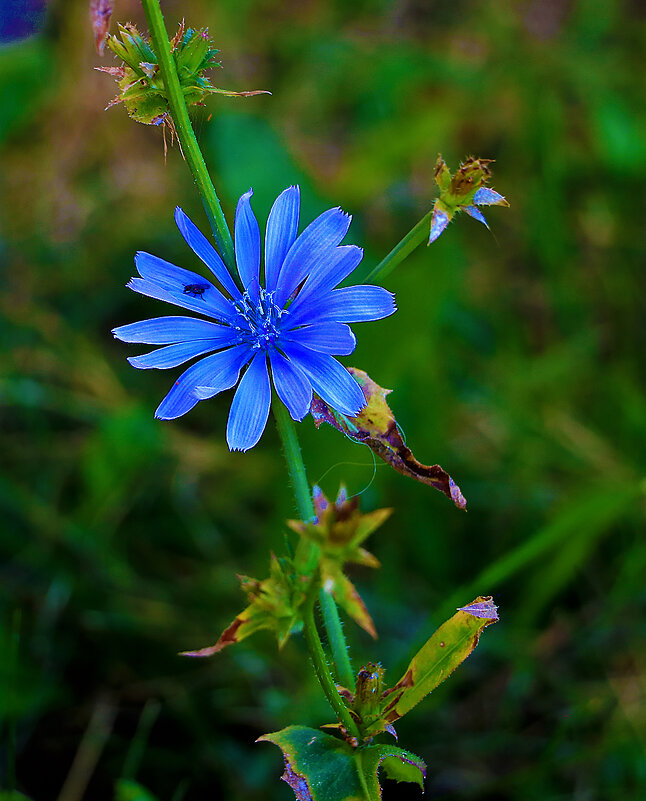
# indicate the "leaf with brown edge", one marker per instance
pixel 319 767
pixel 376 427
pixel 100 15
pixel 447 648
pixel 275 604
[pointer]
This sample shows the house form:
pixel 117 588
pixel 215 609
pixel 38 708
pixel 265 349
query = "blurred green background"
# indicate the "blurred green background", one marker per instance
pixel 516 360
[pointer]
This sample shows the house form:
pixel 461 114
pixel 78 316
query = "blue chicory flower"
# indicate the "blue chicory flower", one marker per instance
pixel 298 321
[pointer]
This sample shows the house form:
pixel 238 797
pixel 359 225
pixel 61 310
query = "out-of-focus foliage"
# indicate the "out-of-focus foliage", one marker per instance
pixel 517 361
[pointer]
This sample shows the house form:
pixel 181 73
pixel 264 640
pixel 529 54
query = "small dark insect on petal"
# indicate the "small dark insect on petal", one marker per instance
pixel 195 290
pixel 100 14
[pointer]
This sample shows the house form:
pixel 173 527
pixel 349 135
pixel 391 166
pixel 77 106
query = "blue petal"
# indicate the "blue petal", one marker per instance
pixel 152 290
pixel 220 371
pixel 333 268
pixel 350 304
pixel 202 248
pixel 329 379
pixel 168 330
pixel 334 338
pixel 322 234
pixel 489 197
pixel 247 237
pixel 472 211
pixel 282 227
pixel 172 355
pixel 183 284
pixel 439 221
pixel 292 385
pixel 250 407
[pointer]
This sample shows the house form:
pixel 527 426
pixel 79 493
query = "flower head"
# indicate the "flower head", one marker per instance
pixel 293 325
pixel 464 191
pixel 141 86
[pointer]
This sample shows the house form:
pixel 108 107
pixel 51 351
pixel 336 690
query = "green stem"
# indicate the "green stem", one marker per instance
pixel 336 639
pixel 294 457
pixel 323 672
pixel 402 250
pixel 184 130
pixel 307 556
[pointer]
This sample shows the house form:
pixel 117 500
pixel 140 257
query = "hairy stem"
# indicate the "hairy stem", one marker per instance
pixel 307 556
pixel 336 639
pixel 184 130
pixel 294 458
pixel 323 672
pixel 402 249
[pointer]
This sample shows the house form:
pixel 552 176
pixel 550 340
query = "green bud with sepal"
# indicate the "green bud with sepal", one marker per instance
pixel 275 603
pixel 338 531
pixel 370 680
pixel 463 191
pixel 141 86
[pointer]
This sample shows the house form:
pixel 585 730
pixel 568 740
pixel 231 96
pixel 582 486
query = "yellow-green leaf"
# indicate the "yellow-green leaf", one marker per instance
pixel 449 646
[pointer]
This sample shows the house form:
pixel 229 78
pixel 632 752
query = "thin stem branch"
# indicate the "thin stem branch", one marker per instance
pixel 336 638
pixel 184 130
pixel 402 250
pixel 323 672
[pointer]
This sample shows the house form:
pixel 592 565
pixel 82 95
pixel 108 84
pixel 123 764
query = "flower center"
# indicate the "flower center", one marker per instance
pixel 260 320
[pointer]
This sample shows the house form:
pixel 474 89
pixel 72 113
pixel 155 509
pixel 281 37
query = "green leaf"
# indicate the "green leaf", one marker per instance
pixel 441 654
pixel 319 767
pixel 127 790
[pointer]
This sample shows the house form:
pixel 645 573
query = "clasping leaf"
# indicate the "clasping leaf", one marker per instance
pixel 319 767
